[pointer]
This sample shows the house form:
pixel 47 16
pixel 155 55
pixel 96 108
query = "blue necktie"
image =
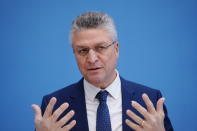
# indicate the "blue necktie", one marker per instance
pixel 103 122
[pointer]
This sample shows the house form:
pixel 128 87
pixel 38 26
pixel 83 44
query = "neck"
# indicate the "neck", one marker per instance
pixel 104 85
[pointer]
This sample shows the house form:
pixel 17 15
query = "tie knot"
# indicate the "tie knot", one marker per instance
pixel 102 96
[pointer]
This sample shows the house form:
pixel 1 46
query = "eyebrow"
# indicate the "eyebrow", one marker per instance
pixel 80 46
pixel 97 44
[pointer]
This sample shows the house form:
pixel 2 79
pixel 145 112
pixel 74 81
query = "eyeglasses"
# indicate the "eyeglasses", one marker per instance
pixel 101 49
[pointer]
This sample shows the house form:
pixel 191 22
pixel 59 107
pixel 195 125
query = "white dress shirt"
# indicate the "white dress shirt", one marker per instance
pixel 114 102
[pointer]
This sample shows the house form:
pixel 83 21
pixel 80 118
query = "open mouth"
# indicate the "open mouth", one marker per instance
pixel 94 69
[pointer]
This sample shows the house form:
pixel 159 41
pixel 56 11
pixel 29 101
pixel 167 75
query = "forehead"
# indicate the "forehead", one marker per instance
pixel 91 37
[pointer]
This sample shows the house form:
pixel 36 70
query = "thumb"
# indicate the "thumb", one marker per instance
pixel 38 112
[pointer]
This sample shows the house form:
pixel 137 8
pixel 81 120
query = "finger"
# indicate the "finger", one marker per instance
pixel 132 125
pixel 59 111
pixel 38 113
pixel 132 115
pixel 148 103
pixel 140 109
pixel 70 125
pixel 160 105
pixel 66 118
pixel 49 108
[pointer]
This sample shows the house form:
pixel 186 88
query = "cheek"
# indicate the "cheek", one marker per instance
pixel 80 64
pixel 112 60
pixel 113 56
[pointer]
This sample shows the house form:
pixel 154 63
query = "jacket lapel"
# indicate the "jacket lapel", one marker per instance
pixel 127 96
pixel 79 106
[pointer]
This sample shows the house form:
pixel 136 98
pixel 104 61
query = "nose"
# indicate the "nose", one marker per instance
pixel 92 56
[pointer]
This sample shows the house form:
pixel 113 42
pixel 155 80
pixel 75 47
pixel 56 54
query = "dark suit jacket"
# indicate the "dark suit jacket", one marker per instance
pixel 74 95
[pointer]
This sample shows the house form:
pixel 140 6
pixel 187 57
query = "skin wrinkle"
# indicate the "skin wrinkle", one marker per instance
pixel 104 76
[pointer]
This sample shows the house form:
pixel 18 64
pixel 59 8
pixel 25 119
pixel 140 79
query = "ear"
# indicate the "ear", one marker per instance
pixel 117 48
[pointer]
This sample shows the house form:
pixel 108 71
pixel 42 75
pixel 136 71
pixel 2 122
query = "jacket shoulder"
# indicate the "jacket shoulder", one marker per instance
pixel 136 90
pixel 67 91
pixel 129 85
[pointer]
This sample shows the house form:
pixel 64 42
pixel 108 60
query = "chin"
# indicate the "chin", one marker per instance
pixel 95 80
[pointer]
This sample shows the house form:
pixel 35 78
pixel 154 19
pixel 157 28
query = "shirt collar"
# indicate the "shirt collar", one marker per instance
pixel 114 89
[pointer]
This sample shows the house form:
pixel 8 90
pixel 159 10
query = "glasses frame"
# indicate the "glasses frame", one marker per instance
pixel 97 49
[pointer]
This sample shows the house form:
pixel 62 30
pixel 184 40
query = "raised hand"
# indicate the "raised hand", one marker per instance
pixel 48 122
pixel 153 118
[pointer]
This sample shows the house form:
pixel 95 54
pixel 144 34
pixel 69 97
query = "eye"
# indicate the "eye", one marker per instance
pixel 83 51
pixel 100 48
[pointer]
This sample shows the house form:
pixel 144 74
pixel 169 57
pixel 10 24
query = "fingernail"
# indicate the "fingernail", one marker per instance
pixel 144 95
pixel 53 98
pixel 72 111
pixel 74 121
pixel 66 104
pixel 33 105
pixel 126 120
pixel 133 102
pixel 164 98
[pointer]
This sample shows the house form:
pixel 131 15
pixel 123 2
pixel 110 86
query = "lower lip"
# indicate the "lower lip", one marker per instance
pixel 95 70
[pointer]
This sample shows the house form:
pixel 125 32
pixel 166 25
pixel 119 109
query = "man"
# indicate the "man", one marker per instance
pixel 102 100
